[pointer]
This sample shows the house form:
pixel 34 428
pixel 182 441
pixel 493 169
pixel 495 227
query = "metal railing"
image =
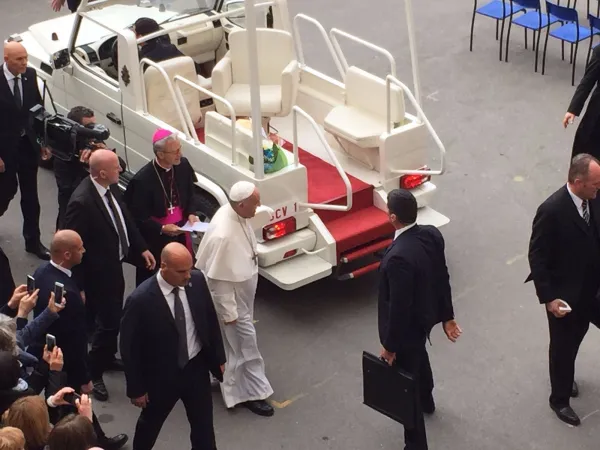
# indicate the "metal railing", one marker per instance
pixel 389 80
pixel 328 43
pixel 188 117
pixel 146 61
pixel 336 32
pixel 295 111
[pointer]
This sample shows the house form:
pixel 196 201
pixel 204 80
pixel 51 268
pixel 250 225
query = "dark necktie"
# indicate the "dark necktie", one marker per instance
pixel 17 93
pixel 586 211
pixel 119 223
pixel 182 350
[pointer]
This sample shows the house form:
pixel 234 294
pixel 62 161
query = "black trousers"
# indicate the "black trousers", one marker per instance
pixel 414 359
pixel 105 298
pixel 68 175
pixel 566 335
pixel 21 173
pixel 7 282
pixel 192 386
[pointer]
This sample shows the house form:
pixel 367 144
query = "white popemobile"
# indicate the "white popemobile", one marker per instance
pixel 329 196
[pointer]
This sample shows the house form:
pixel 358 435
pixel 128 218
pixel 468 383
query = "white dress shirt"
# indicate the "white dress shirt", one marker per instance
pixel 10 78
pixel 102 191
pixel 578 202
pixel 402 230
pixel 193 344
pixel 62 269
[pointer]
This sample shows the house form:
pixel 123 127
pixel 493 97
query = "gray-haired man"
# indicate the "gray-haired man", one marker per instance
pixel 161 197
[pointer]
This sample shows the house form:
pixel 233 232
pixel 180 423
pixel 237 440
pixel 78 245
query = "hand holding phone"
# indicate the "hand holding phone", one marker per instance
pixel 565 307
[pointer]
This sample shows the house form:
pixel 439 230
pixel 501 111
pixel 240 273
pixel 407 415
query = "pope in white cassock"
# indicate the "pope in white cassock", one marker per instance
pixel 229 259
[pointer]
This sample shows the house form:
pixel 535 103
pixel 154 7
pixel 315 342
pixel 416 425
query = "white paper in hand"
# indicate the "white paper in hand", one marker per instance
pixel 198 227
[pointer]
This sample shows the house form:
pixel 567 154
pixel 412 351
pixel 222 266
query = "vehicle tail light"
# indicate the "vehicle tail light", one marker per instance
pixel 279 229
pixel 413 181
pixel 289 253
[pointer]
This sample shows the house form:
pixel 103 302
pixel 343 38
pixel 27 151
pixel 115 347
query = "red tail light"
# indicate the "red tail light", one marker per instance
pixel 413 181
pixel 279 229
pixel 289 253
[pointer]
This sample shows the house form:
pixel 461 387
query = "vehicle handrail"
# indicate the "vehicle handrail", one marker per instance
pixel 298 41
pixel 295 111
pixel 334 32
pixel 227 104
pixel 389 80
pixel 146 61
pixel 206 19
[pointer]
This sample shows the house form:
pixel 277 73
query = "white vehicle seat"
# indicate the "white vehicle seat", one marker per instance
pixel 160 101
pixel 362 119
pixel 278 69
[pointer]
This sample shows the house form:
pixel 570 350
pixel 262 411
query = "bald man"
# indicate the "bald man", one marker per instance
pixel 19 150
pixel 98 214
pixel 170 341
pixel 67 252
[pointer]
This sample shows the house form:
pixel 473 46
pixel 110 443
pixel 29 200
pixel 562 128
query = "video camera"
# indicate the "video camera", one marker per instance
pixel 65 137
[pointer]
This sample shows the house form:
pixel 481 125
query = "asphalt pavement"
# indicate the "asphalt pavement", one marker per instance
pixel 507 151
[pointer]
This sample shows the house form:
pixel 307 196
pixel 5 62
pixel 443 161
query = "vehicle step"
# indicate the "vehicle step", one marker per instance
pixel 359 272
pixel 353 255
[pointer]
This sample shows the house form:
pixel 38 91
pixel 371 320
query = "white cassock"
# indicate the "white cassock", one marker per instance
pixel 227 258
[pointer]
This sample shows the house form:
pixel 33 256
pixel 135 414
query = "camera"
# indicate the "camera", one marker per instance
pixel 65 137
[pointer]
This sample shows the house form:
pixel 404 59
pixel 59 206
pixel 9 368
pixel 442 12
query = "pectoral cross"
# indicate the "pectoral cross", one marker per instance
pixel 171 208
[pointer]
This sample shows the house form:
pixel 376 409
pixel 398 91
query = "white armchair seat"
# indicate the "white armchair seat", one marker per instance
pixel 362 119
pixel 279 74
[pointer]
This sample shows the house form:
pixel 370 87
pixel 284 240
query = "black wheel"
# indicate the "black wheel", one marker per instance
pixel 208 206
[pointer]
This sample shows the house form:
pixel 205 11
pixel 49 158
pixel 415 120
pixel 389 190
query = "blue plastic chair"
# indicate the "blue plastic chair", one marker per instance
pixel 496 9
pixel 570 32
pixel 532 20
pixel 595 29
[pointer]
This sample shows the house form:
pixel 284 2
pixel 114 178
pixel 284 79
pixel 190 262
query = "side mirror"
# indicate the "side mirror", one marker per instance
pixel 60 59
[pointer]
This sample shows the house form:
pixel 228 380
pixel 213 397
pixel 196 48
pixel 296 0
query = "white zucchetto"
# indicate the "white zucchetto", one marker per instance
pixel 241 191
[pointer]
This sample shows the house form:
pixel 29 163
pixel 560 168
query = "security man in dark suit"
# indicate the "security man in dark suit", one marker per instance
pixel 564 257
pixel 414 295
pixel 97 212
pixel 170 341
pixel 71 4
pixel 587 137
pixel 70 329
pixel 20 152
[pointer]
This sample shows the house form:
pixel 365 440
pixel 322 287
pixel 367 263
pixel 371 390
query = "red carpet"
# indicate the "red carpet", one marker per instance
pixel 361 225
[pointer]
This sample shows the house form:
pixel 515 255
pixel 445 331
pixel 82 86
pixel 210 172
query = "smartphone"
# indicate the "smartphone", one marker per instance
pixel 70 398
pixel 30 284
pixel 50 342
pixel 59 292
pixel 566 307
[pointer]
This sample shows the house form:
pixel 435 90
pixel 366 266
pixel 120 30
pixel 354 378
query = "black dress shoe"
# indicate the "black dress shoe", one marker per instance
pixel 100 392
pixel 113 443
pixel 428 406
pixel 575 390
pixel 566 414
pixel 259 407
pixel 38 250
pixel 116 365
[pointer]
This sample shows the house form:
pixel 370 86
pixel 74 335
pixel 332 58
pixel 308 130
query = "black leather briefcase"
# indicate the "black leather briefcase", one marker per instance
pixel 388 390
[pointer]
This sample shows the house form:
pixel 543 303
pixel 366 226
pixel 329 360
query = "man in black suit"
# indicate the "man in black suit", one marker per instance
pixel 67 252
pixel 157 49
pixel 7 282
pixel 20 152
pixel 564 257
pixel 71 4
pixel 170 341
pixel 414 295
pixel 587 137
pixel 110 236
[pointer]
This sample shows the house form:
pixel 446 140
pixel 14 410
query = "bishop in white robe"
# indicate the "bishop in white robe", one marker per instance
pixel 228 257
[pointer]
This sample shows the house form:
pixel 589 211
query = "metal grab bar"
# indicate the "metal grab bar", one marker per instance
pixel 328 42
pixel 188 117
pixel 333 35
pixel 146 61
pixel 389 80
pixel 295 111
